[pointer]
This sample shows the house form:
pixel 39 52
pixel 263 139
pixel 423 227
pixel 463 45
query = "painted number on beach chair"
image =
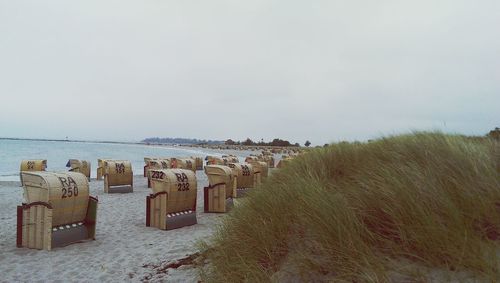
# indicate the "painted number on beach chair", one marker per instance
pixel 69 187
pixel 120 168
pixel 31 165
pixel 182 187
pixel 158 175
pixel 246 170
pixel 183 184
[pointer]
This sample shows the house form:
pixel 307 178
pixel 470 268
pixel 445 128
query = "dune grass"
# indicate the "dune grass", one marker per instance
pixel 406 207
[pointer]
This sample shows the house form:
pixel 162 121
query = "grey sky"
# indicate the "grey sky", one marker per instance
pixel 298 70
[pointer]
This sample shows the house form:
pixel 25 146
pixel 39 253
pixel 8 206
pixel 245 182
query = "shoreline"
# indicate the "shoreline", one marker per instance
pixel 67 140
pixel 9 172
pixel 220 146
pixel 92 151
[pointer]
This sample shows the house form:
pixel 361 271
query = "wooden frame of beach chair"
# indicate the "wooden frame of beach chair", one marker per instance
pixel 100 168
pixel 246 176
pixel 118 176
pixel 218 196
pixel 198 162
pixel 33 165
pixel 146 165
pixel 172 204
pixel 58 210
pixel 82 166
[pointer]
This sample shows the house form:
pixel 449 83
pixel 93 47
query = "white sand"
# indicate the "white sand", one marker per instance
pixel 123 242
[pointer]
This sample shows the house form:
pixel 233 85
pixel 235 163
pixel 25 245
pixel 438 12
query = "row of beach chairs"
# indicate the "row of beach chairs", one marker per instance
pixel 75 165
pixel 58 209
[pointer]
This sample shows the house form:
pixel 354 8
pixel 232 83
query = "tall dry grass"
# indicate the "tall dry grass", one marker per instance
pixel 400 208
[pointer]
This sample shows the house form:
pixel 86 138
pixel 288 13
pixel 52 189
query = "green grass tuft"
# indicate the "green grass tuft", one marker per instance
pixel 403 207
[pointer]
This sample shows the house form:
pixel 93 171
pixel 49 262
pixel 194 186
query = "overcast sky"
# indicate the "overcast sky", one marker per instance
pixel 299 70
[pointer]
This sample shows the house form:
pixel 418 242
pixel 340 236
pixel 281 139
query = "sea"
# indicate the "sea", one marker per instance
pixel 57 154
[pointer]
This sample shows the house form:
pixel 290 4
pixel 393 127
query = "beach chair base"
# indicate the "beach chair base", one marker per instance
pixel 157 216
pixel 35 230
pixel 180 220
pixel 119 190
pixel 66 236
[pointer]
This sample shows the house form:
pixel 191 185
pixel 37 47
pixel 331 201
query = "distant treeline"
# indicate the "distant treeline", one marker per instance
pixel 494 134
pixel 248 141
pixel 157 140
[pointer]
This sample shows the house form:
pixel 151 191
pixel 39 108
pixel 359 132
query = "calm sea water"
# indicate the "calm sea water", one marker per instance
pixel 58 153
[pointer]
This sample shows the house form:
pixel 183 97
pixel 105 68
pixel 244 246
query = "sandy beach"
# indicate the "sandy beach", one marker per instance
pixel 124 249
